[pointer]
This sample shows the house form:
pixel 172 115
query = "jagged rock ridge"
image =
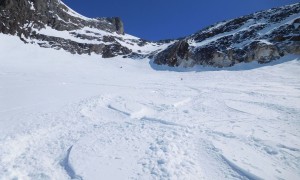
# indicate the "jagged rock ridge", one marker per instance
pixel 51 24
pixel 263 36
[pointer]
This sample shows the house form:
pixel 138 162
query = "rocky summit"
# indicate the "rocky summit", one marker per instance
pixel 263 36
pixel 51 24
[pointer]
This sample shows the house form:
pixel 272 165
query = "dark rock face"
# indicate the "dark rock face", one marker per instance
pixel 262 36
pixel 53 13
pixel 112 51
pixel 174 54
pixel 26 17
pixel 117 22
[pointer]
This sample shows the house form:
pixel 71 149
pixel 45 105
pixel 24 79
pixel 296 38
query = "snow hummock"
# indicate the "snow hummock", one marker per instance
pixel 67 116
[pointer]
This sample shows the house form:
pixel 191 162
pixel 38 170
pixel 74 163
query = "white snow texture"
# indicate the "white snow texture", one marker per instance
pixel 65 116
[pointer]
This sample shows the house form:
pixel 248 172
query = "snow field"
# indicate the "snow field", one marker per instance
pixel 66 116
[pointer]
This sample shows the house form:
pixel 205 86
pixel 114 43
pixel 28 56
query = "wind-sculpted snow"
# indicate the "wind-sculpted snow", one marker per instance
pixel 68 116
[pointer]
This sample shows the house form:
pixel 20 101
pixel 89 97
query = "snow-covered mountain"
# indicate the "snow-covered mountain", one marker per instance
pixel 262 36
pixel 52 24
pixel 66 112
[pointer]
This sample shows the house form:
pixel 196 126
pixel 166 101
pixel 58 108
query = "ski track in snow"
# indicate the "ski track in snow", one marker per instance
pixel 167 148
pixel 146 124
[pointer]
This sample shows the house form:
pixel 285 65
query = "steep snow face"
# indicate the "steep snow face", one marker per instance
pixel 66 116
pixel 245 39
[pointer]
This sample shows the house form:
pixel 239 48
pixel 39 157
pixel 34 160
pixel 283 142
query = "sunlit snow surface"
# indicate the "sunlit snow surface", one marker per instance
pixel 66 116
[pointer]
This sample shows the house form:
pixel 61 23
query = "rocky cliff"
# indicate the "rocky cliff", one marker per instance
pixel 51 24
pixel 262 36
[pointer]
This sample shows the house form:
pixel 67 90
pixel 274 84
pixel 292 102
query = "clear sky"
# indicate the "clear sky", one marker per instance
pixel 164 19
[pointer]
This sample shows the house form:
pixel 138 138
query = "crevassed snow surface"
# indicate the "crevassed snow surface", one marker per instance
pixel 66 116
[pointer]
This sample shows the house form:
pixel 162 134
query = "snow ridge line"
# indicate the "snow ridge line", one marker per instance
pixel 240 170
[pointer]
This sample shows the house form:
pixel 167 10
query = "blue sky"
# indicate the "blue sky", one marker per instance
pixel 163 19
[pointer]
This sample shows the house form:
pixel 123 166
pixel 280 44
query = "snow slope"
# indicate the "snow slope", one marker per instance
pixel 65 116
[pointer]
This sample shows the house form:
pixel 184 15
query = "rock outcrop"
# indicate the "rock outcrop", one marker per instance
pixel 51 24
pixel 17 15
pixel 262 36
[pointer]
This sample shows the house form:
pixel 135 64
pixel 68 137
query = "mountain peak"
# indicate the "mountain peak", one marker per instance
pixel 53 13
pixel 263 36
pixel 52 24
